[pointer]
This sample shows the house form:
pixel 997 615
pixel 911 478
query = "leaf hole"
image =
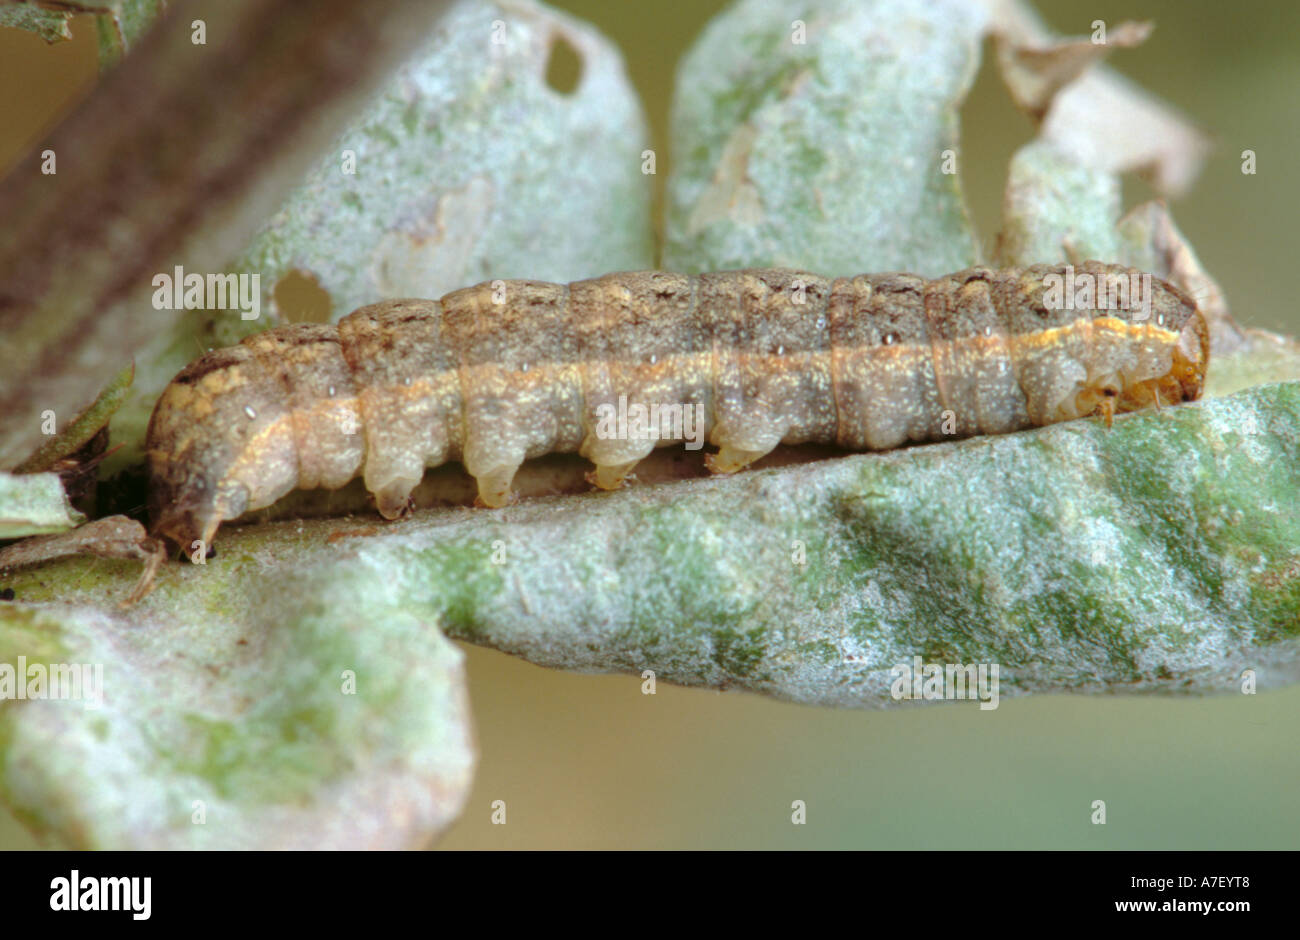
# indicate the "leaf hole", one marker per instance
pixel 563 66
pixel 299 298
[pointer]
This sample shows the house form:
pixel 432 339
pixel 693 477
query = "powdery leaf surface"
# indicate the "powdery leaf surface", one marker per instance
pixel 469 167
pixel 224 720
pixel 826 154
pixel 34 504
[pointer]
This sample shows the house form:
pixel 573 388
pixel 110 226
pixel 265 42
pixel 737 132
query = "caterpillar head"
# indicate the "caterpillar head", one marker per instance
pixel 1154 355
pixel 1192 356
pixel 1180 335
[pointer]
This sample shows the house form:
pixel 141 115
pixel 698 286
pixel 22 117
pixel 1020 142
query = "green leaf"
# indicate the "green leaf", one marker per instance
pixel 1057 209
pixel 826 155
pixel 50 25
pixel 469 167
pixel 118 23
pixel 34 504
pixel 223 721
pixel 85 426
pixel 121 23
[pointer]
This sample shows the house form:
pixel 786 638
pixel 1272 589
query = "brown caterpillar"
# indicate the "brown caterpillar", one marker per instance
pixel 498 373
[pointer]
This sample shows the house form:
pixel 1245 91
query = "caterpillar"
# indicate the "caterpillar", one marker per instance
pixel 495 374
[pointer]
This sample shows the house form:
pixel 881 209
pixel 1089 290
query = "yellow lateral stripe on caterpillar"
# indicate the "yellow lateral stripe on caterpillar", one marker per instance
pixel 495 374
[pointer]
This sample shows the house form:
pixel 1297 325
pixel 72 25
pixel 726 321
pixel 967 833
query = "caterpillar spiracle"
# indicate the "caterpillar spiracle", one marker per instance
pixel 505 371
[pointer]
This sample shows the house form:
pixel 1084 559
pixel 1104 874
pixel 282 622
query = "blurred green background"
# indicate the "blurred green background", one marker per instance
pixel 590 762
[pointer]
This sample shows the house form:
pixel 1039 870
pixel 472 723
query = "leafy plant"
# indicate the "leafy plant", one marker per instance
pixel 298 689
